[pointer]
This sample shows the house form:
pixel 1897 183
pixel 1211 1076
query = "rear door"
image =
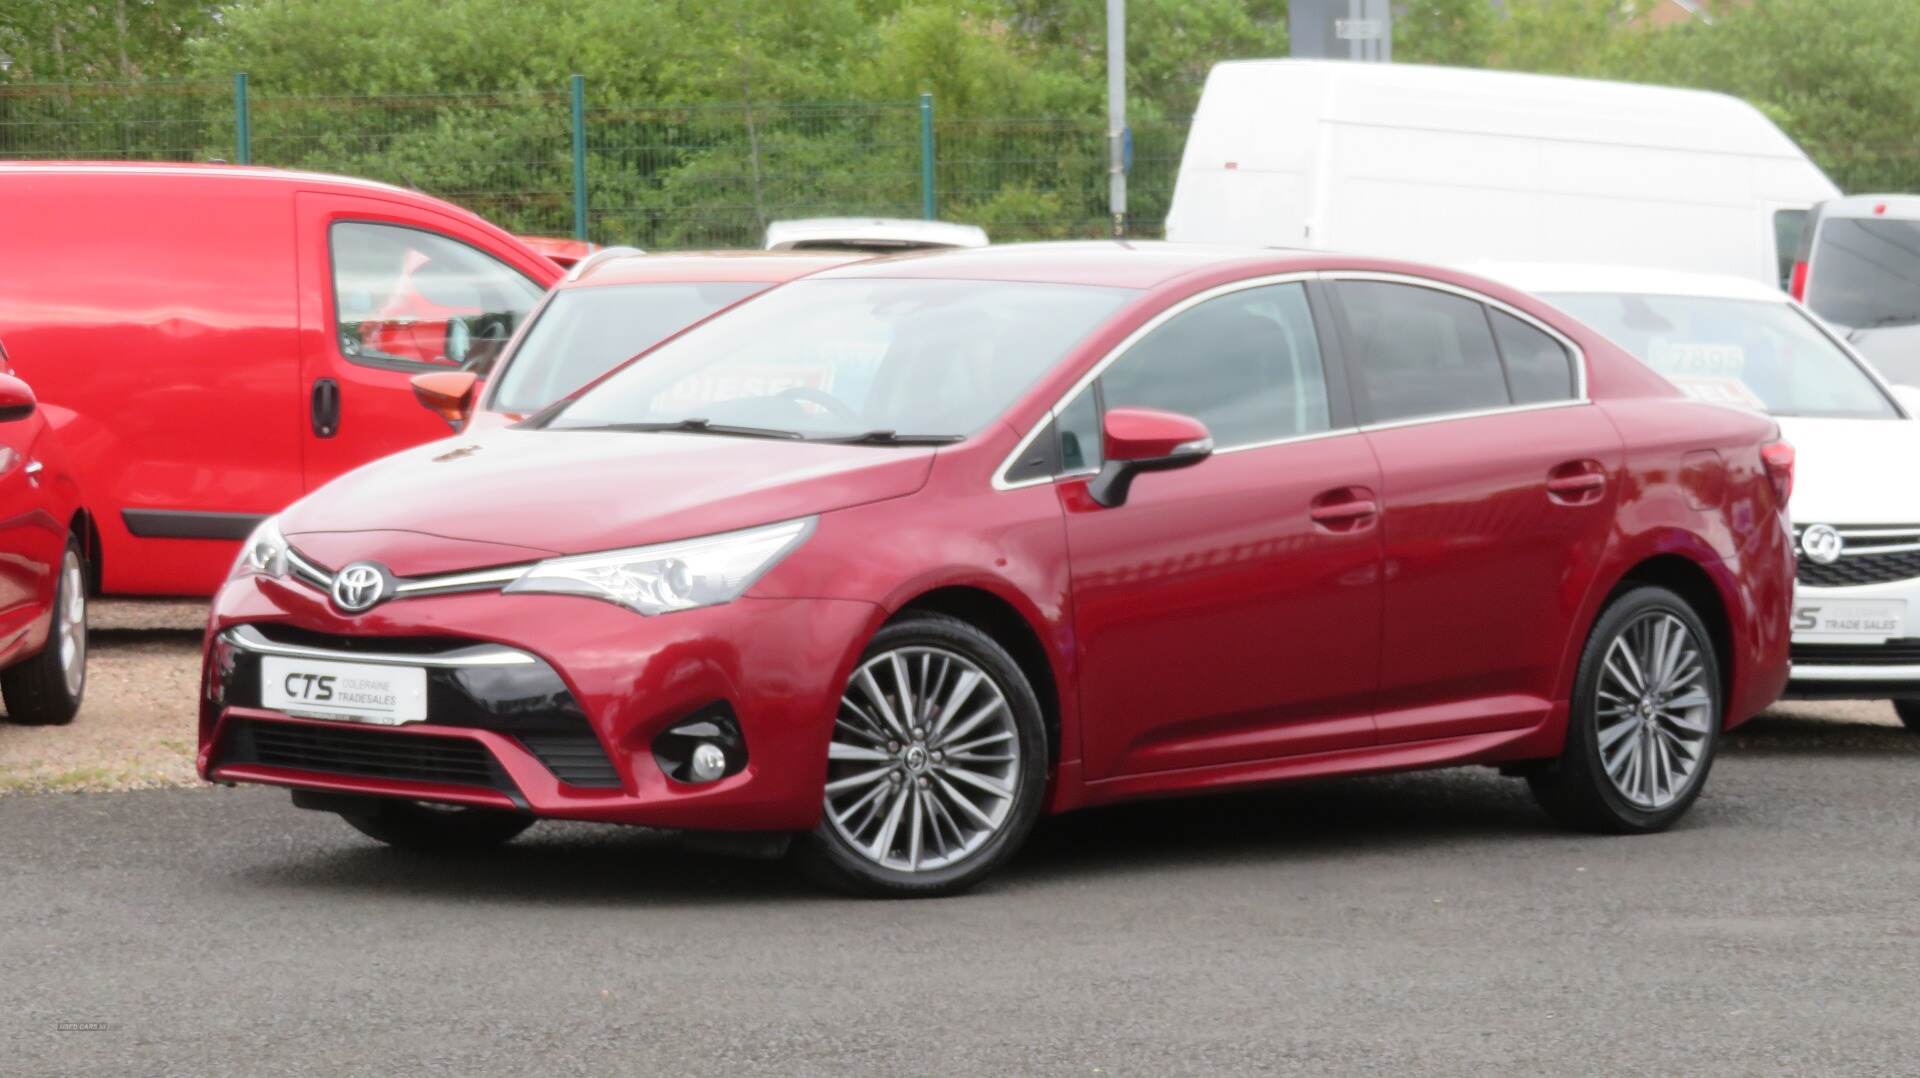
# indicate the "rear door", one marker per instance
pixel 1497 495
pixel 398 289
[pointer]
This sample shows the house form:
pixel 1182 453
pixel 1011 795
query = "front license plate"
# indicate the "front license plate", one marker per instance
pixel 1855 621
pixel 356 692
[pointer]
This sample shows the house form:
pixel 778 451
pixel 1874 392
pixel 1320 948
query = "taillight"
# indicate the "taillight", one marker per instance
pixel 1778 457
pixel 1797 284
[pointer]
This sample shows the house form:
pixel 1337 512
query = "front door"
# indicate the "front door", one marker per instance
pixel 1497 485
pixel 1228 612
pixel 402 290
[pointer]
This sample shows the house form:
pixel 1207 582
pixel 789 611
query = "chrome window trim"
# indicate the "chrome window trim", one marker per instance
pixel 1000 473
pixel 251 640
pixel 1578 355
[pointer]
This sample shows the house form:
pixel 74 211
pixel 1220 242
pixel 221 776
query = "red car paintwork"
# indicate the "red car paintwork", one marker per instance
pixel 40 508
pixel 1375 599
pixel 176 320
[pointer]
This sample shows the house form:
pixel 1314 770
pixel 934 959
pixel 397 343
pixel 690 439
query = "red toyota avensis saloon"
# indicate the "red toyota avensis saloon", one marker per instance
pixel 898 556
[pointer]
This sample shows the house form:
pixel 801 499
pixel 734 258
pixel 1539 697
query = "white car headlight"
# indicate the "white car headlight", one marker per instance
pixel 666 577
pixel 264 553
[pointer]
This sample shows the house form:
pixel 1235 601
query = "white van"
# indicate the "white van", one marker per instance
pixel 1454 165
pixel 1859 269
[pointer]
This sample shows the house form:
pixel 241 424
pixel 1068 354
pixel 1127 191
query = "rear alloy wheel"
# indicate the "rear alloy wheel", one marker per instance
pixel 937 765
pixel 1645 720
pixel 1909 712
pixel 428 828
pixel 45 689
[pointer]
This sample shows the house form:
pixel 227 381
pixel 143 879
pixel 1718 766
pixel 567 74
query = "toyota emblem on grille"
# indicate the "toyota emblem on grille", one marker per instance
pixel 359 586
pixel 1822 544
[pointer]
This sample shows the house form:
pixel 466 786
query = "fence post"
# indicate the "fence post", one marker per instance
pixel 578 86
pixel 926 156
pixel 242 130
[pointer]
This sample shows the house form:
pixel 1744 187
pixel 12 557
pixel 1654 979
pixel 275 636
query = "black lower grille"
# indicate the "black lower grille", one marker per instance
pixel 1892 653
pixel 575 759
pixel 363 753
pixel 1854 570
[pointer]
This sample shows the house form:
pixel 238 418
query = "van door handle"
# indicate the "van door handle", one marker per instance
pixel 1577 482
pixel 326 407
pixel 1344 509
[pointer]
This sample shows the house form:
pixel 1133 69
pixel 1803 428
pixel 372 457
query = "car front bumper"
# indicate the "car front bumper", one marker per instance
pixel 568 733
pixel 1839 668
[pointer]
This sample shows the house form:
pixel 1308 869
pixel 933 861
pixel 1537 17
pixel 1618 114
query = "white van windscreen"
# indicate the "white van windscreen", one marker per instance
pixel 1865 272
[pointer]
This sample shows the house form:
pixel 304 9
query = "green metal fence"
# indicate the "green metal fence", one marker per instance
pixel 660 176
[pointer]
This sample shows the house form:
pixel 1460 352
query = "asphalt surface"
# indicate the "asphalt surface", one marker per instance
pixel 1431 923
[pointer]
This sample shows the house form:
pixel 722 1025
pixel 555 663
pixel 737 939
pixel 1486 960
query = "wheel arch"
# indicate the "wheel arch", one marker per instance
pixel 1693 582
pixel 83 528
pixel 1014 630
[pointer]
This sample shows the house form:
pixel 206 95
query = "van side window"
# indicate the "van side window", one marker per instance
pixel 1246 364
pixel 416 298
pixel 1788 226
pixel 1539 369
pixel 1421 352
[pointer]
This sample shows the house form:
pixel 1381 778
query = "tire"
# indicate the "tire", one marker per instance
pixel 1608 791
pixel 411 825
pixel 955 818
pixel 1909 712
pixel 45 689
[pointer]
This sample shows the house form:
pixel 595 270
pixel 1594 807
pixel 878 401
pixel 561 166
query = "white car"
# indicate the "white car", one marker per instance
pixel 1856 512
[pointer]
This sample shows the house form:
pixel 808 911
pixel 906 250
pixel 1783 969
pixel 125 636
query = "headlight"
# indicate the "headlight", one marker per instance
pixel 265 552
pixel 671 576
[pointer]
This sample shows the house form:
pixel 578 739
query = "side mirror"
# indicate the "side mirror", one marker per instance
pixel 1145 440
pixel 448 394
pixel 16 399
pixel 1909 398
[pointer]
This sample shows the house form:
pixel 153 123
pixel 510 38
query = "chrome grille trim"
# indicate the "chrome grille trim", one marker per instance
pixel 249 639
pixel 479 580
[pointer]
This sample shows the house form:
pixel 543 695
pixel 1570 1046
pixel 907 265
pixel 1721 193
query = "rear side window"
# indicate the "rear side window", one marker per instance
pixel 1246 364
pixel 406 296
pixel 1422 352
pixel 1539 370
pixel 1866 272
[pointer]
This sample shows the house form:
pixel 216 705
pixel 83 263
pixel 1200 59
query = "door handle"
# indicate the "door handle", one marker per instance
pixel 326 407
pixel 1577 482
pixel 1344 509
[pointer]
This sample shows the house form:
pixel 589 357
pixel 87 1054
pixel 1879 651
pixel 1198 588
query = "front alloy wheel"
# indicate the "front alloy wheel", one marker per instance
pixel 936 766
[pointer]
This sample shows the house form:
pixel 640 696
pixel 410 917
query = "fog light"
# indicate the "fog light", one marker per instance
pixel 709 762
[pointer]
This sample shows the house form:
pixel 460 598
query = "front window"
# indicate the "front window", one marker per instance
pixel 412 297
pixel 852 357
pixel 585 332
pixel 1865 272
pixel 1758 354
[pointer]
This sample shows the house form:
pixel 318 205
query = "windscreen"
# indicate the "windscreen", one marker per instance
pixel 838 358
pixel 1758 354
pixel 1865 272
pixel 583 333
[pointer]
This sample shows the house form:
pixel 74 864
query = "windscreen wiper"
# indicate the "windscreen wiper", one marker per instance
pixel 698 426
pixel 887 437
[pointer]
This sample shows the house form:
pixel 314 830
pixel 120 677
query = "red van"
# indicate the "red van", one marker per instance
pixel 210 342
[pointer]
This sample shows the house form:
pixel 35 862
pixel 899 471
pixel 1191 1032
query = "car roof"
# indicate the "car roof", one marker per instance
pixel 1112 263
pixel 210 168
pixel 868 233
pixel 1552 277
pixel 768 267
pixel 1898 207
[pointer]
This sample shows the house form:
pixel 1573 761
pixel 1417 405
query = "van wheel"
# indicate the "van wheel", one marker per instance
pixel 937 767
pixel 45 689
pixel 1909 712
pixel 414 825
pixel 1645 719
